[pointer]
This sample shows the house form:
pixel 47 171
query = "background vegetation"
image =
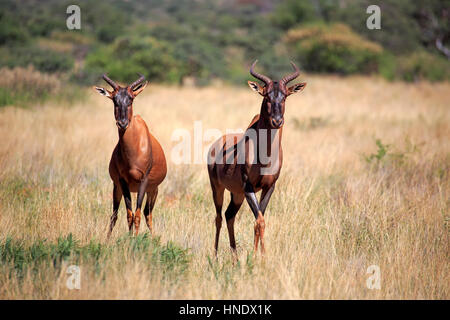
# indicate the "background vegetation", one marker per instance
pixel 175 40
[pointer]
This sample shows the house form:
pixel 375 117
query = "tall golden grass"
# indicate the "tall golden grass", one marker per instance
pixel 28 81
pixel 334 212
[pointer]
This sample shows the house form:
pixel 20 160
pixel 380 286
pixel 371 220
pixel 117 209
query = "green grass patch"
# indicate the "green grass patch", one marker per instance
pixel 23 257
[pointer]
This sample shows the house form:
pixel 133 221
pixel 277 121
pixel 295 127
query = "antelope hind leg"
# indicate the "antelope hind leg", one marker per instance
pixel 140 199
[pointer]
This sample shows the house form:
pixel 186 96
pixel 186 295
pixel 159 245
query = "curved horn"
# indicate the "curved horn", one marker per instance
pixel 291 76
pixel 110 82
pixel 259 76
pixel 138 81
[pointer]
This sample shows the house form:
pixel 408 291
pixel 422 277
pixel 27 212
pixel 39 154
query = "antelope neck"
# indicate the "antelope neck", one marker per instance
pixel 126 137
pixel 263 124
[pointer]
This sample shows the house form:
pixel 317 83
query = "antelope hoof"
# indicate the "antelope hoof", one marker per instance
pixel 234 256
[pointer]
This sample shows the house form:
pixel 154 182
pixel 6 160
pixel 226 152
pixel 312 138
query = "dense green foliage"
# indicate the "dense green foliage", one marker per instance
pixel 126 57
pixel 44 60
pixel 169 40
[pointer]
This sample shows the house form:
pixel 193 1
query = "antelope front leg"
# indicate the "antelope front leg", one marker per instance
pixel 265 197
pixel 259 224
pixel 140 198
pixel 117 196
pixel 127 198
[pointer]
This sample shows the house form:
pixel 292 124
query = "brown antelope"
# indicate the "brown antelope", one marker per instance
pixel 246 177
pixel 137 163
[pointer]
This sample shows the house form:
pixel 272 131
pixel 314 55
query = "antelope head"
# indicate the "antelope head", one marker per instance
pixel 275 94
pixel 122 98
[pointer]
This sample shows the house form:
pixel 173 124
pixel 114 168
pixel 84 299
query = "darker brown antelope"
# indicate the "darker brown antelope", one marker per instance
pixel 137 163
pixel 238 162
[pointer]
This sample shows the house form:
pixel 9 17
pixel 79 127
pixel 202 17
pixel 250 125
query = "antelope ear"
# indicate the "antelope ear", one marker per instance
pixel 256 87
pixel 139 88
pixel 103 92
pixel 296 88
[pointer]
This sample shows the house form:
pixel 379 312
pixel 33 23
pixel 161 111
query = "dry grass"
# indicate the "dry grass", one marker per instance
pixel 28 79
pixel 332 214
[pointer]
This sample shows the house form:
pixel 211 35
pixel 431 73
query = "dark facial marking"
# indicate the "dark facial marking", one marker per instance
pixel 122 98
pixel 276 95
pixel 276 98
pixel 122 101
pixel 275 104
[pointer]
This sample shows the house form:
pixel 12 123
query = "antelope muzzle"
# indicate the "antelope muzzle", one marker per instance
pixel 277 122
pixel 122 124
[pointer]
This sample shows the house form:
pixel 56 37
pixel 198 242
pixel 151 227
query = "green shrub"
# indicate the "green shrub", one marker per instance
pixel 292 12
pixel 200 59
pixel 11 32
pixel 423 65
pixel 384 156
pixel 387 66
pixel 43 60
pixel 333 48
pixel 125 58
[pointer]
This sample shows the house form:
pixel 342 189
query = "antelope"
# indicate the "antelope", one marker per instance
pixel 243 179
pixel 137 163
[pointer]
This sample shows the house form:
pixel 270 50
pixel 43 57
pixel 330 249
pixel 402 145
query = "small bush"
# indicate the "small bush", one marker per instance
pixel 384 155
pixel 333 48
pixel 423 65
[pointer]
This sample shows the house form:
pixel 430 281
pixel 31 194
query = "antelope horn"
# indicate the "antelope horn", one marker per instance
pixel 259 76
pixel 137 82
pixel 110 82
pixel 291 76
